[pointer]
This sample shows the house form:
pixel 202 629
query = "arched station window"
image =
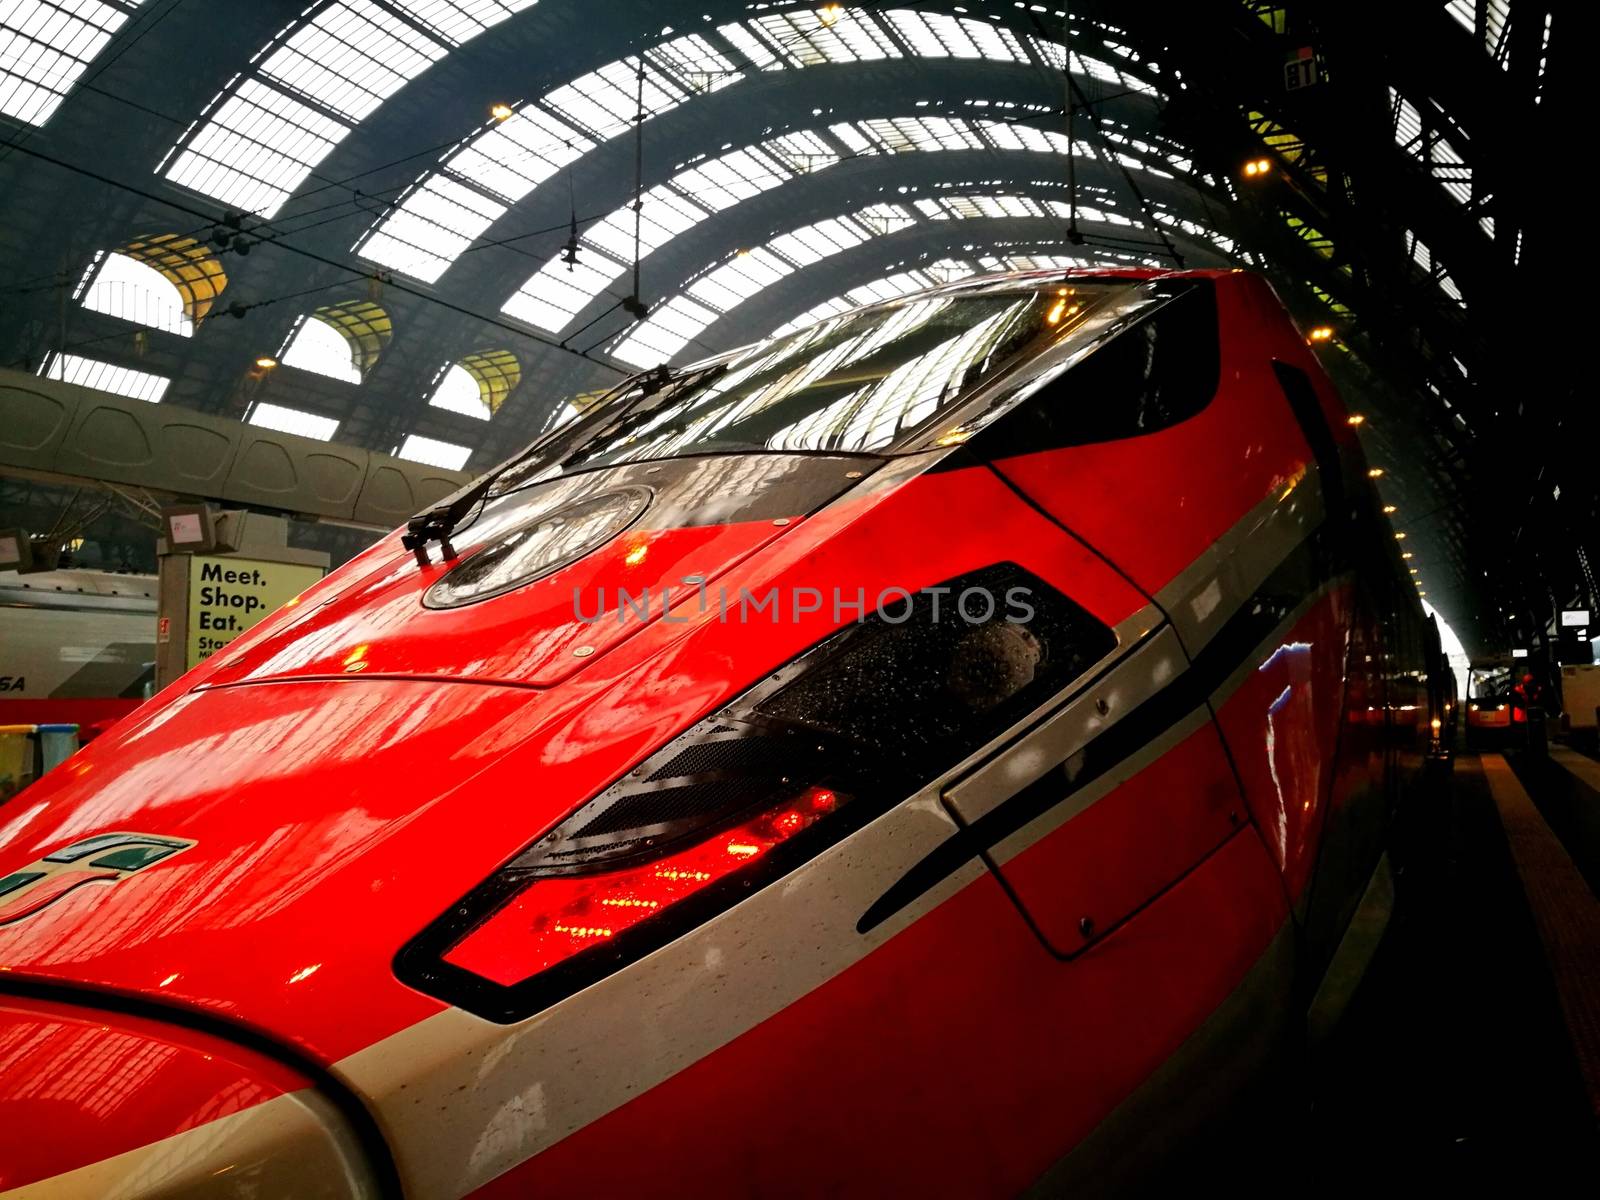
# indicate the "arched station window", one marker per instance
pixel 342 341
pixel 164 281
pixel 478 384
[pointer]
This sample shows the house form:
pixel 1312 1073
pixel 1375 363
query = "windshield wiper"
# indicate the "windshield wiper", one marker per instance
pixel 439 522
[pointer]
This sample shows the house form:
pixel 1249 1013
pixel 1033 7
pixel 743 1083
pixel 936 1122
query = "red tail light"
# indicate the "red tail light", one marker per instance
pixel 559 917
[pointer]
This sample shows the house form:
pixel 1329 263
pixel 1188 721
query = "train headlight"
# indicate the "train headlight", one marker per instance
pixel 819 747
pixel 538 547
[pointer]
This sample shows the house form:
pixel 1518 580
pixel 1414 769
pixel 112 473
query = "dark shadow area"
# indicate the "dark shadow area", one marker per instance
pixel 1452 1066
pixel 1451 1070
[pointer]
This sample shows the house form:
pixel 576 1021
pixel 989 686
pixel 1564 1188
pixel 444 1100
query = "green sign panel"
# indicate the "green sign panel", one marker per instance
pixel 229 595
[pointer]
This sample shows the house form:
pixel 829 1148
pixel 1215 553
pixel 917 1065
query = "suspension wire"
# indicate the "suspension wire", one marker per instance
pixel 314 256
pixel 1073 236
pixel 638 188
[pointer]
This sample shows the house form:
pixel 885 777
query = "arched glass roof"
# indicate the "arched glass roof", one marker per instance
pixel 681 319
pixel 320 77
pixel 45 47
pixel 477 183
pixel 554 295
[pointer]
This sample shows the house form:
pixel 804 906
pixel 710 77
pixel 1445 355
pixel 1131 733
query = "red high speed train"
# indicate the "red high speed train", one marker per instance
pixel 939 750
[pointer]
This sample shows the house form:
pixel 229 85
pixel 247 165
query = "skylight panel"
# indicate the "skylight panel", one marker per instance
pixel 896 134
pixel 756 52
pixel 1407 121
pixel 293 420
pixel 604 101
pixel 1027 137
pixel 134 291
pixel 1496 16
pixel 351 56
pixel 938 35
pixel 695 64
pixel 802 152
pixel 461 20
pixel 437 222
pixel 256 149
pixel 434 453
pixel 740 278
pixel 665 215
pixel 106 377
pixel 344 58
pixel 499 165
pixel 555 294
pixel 891 288
pixel 1435 153
pixel 1451 171
pixel 45 47
pixel 804 39
pixel 723 182
pixel 669 329
pixel 885 218
pixel 816 242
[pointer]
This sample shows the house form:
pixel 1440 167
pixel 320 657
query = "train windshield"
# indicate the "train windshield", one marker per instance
pixel 1489 683
pixel 863 382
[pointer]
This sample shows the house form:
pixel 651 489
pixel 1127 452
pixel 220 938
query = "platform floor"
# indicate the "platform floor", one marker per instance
pixel 1468 1053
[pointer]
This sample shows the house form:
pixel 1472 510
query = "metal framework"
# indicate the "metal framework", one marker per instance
pixel 449 150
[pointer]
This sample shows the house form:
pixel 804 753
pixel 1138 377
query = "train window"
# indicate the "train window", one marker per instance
pixel 1308 414
pixel 863 382
pixel 1152 374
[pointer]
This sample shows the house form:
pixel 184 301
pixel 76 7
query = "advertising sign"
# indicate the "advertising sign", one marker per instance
pixel 230 595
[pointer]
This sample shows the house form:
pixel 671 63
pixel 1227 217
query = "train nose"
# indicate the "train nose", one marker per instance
pixel 95 1103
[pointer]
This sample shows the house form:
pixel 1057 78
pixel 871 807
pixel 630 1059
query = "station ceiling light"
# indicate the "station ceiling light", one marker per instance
pixel 1389 508
pixel 1323 333
pixel 1354 418
pixel 1374 472
pixel 1400 537
pixel 1408 554
pixel 1258 168
pixel 500 112
pixel 830 13
pixel 266 362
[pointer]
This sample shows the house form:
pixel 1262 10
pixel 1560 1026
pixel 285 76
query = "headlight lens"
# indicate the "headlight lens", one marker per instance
pixel 819 747
pixel 538 547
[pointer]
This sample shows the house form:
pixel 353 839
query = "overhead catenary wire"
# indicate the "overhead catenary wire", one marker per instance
pixel 241 310
pixel 274 229
pixel 799 37
pixel 312 255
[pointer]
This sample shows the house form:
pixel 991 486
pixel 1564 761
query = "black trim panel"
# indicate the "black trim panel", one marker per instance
pixel 1295 580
